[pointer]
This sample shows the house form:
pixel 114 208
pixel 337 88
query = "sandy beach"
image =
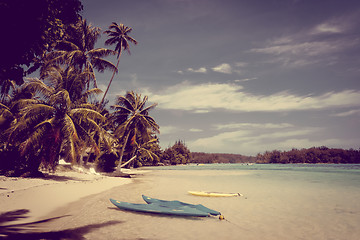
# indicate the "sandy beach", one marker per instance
pixel 25 201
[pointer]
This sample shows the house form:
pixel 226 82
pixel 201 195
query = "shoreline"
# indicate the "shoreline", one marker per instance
pixel 29 200
pixel 276 204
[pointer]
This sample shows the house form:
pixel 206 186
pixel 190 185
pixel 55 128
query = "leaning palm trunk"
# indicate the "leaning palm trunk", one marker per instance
pixel 112 77
pixel 118 168
pixel 131 159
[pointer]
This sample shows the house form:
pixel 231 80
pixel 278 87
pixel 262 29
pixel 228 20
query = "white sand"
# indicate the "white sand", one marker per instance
pixel 42 196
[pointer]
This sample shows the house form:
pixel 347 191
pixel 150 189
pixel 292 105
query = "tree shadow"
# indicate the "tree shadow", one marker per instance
pixel 61 178
pixel 28 230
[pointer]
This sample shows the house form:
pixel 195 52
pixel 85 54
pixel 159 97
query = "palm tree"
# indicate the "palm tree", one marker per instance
pixel 118 34
pixel 132 118
pixel 144 150
pixel 6 86
pixel 71 80
pixel 50 124
pixel 77 50
pixel 6 119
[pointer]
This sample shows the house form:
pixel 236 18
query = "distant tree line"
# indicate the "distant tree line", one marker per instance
pixel 177 154
pixel 200 157
pixel 312 155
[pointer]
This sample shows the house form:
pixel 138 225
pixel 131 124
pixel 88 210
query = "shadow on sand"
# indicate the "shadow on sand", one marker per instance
pixel 28 230
pixel 62 178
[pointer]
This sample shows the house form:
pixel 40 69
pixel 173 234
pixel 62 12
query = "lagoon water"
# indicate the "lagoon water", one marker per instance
pixel 278 202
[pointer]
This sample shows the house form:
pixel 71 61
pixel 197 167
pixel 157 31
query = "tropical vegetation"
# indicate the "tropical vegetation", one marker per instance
pixel 311 155
pixel 177 154
pixel 57 115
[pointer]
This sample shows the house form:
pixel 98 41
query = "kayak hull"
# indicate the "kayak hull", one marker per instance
pixel 158 209
pixel 178 204
pixel 214 194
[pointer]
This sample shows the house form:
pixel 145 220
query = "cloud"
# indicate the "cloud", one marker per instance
pixel 250 139
pixel 212 96
pixel 327 28
pixel 348 113
pixel 195 130
pixel 316 44
pixel 305 48
pixel 245 79
pixel 200 70
pixel 336 25
pixel 253 126
pixel 223 68
pixel 250 142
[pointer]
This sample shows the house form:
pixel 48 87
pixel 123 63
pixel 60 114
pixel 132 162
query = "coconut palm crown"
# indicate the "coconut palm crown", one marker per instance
pixel 118 35
pixel 78 50
pixel 51 124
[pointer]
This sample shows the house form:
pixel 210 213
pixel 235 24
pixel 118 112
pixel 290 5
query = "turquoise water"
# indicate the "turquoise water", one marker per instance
pixel 341 168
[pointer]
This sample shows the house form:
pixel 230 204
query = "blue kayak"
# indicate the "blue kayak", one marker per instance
pixel 158 209
pixel 178 204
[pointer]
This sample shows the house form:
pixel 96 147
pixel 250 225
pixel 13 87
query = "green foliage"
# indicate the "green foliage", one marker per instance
pixel 177 154
pixel 132 121
pixel 200 157
pixel 31 28
pixel 311 155
pixel 77 49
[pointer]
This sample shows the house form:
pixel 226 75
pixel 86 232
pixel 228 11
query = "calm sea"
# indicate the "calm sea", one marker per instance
pixel 278 202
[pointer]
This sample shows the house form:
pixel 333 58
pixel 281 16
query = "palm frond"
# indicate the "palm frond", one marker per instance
pixel 35 137
pixel 147 109
pixel 101 65
pixel 61 99
pixel 83 113
pixel 37 86
pixel 68 129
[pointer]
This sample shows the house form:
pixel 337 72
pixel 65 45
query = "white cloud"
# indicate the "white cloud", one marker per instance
pixel 267 138
pixel 249 142
pixel 212 96
pixel 327 28
pixel 200 70
pixel 223 68
pixel 245 79
pixel 312 45
pixel 305 48
pixel 195 130
pixel 348 113
pixel 253 126
pixel 336 25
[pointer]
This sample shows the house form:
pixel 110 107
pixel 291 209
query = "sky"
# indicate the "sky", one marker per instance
pixel 241 76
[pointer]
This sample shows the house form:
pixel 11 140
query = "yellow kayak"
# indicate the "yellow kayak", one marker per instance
pixel 214 194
